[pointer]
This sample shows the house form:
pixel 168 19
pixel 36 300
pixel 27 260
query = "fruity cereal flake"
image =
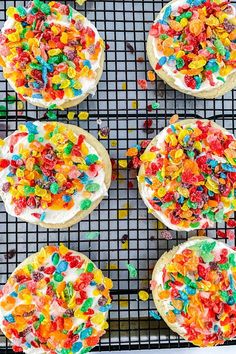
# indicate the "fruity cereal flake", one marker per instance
pixel 52 174
pixel 193 288
pixel 51 54
pixel 192 46
pixel 56 301
pixel 187 176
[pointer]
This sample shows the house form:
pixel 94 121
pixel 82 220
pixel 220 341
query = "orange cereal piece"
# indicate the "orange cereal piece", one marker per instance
pixel 195 27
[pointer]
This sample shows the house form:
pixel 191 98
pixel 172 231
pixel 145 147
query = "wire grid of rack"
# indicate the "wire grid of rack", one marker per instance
pixel 119 22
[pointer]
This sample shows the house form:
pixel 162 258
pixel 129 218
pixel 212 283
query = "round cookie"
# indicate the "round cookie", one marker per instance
pixel 191 46
pixel 57 300
pixel 193 288
pixel 53 174
pixel 188 173
pixel 52 56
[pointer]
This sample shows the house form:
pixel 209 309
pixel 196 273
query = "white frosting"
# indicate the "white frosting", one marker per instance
pixel 88 85
pixel 178 76
pixel 147 193
pixel 158 276
pixel 70 276
pixel 52 216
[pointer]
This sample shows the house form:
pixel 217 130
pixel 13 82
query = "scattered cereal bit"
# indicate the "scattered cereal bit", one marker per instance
pixel 201 232
pixel 52 115
pixel 148 123
pixel 160 225
pixel 143 295
pixel 124 302
pixel 125 245
pixel 80 2
pixel 113 143
pixel 124 238
pixel 151 75
pixel 221 234
pixel 134 104
pixel 149 108
pixel 10 99
pixel 92 235
pixel 140 60
pixel 10 254
pixel 124 211
pixel 174 119
pixel 132 270
pixel 104 132
pixel 166 235
pixel 3 111
pixel 154 315
pixel 155 105
pixel 142 84
pixel 71 115
pixel 99 121
pixel 130 185
pixel 83 115
pixel 231 223
pixel 130 47
pixel 122 163
pixel 112 266
pixel 20 106
pixel 124 86
pixel 107 46
pixel 230 235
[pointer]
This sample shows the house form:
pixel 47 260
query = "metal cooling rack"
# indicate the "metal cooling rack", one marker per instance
pixel 119 22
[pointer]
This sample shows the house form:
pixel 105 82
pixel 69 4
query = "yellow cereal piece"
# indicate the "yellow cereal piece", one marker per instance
pixel 63 249
pixel 2 142
pixel 53 52
pixel 124 86
pixel 98 318
pixel 148 156
pixel 77 85
pixel 113 143
pixel 65 83
pixel 69 92
pixel 179 153
pixel 83 115
pixel 71 72
pixel 98 276
pixel 134 104
pixel 14 37
pixel 179 54
pixel 55 29
pixel 197 64
pixel 143 295
pixel 64 38
pixel 56 79
pixel 184 22
pixel 11 11
pixel 161 192
pixel 19 173
pixel 108 283
pixel 71 115
pixel 123 163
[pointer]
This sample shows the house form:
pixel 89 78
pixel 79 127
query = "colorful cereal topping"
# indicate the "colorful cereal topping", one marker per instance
pixel 196 40
pixel 49 172
pixel 198 292
pixel 50 52
pixel 190 175
pixel 57 302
